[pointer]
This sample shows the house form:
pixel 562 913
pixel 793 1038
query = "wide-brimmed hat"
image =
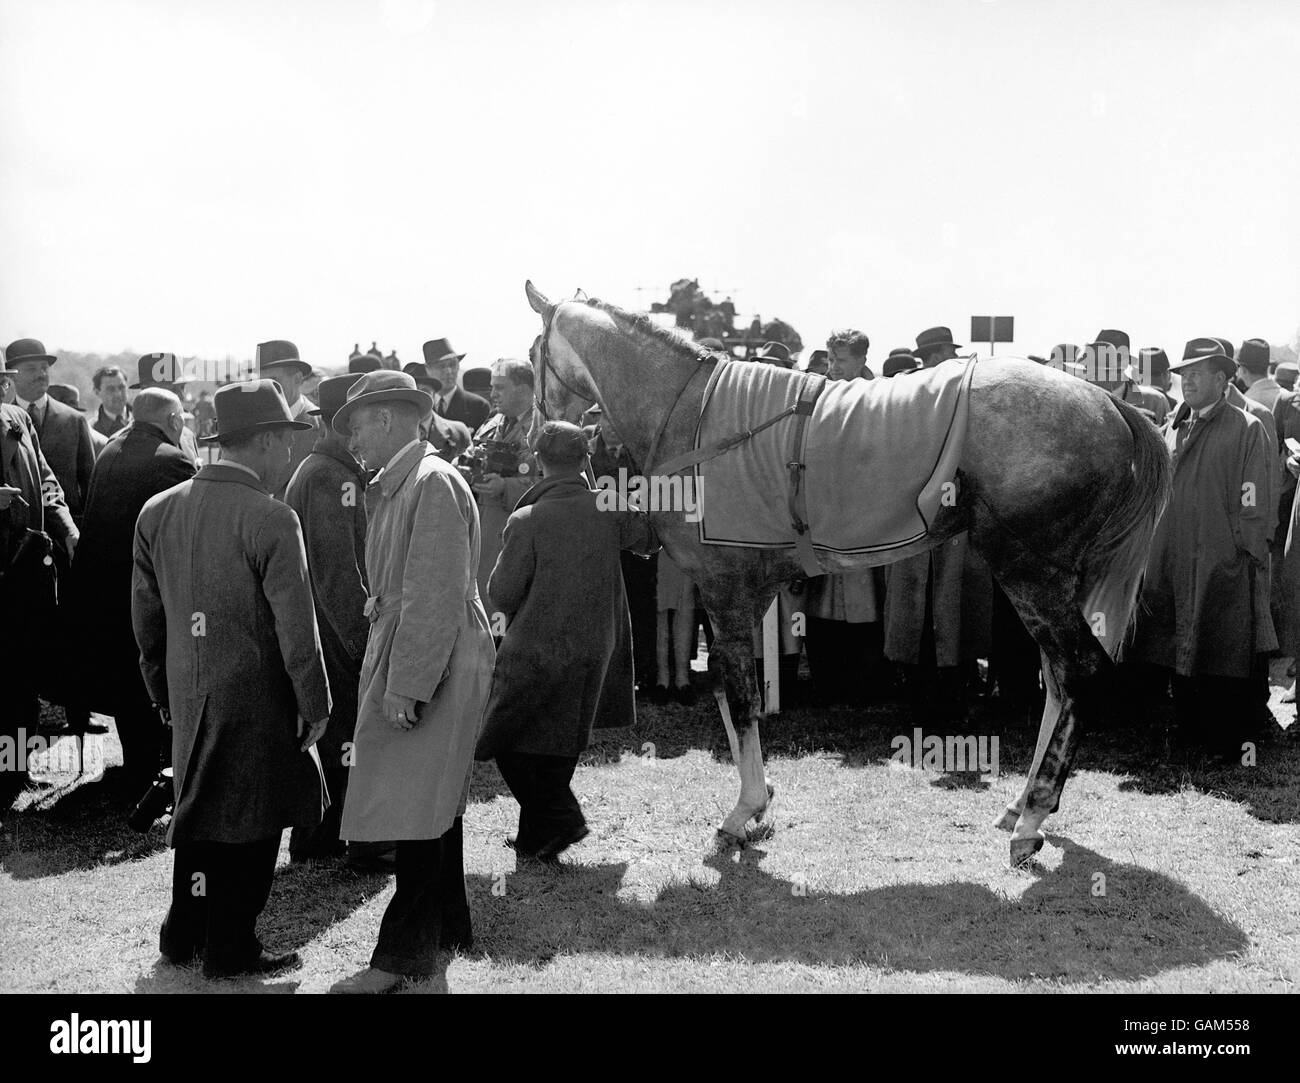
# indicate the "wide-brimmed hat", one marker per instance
pixel 1117 340
pixel 158 370
pixel 27 349
pixel 1154 358
pixel 1253 355
pixel 379 387
pixel 332 392
pixel 280 351
pixel 900 360
pixel 66 394
pixel 932 338
pixel 420 375
pixel 248 406
pixel 439 349
pixel 777 353
pixel 1207 349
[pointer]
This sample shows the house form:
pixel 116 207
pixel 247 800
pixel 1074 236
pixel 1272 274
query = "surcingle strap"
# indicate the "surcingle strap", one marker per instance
pixel 798 496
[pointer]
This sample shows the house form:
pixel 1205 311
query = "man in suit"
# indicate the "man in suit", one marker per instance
pixel 31 499
pixel 449 438
pixel 222 610
pixel 165 372
pixel 278 360
pixel 113 413
pixel 69 395
pixel 144 461
pixel 451 402
pixel 63 432
pixel 328 493
pixel 1252 371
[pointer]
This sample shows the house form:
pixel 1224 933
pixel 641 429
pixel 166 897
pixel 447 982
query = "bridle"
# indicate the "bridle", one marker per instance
pixel 539 400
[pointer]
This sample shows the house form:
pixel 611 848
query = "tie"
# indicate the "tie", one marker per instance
pixel 35 416
pixel 442 405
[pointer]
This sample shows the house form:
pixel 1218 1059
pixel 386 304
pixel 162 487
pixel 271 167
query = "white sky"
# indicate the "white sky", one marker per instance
pixel 201 175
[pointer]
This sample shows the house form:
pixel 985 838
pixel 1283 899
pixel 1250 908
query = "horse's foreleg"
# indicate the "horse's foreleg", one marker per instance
pixel 736 665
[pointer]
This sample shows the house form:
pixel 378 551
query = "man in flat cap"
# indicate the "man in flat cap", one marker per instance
pixel 278 360
pixel 566 659
pixel 1204 615
pixel 424 680
pixel 222 609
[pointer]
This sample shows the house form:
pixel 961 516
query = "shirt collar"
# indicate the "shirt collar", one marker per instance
pixel 40 403
pixel 238 466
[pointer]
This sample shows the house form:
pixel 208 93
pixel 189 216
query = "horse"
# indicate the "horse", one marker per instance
pixel 1061 485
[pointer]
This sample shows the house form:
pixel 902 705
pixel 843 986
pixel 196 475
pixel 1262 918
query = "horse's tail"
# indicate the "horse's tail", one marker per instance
pixel 1117 558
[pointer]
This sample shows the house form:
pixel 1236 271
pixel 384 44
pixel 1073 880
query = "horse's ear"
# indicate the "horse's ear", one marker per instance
pixel 538 300
pixel 581 295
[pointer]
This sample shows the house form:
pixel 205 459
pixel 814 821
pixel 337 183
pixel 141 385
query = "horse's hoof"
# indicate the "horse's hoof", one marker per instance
pixel 1022 850
pixel 759 833
pixel 1007 821
pixel 771 792
pixel 731 839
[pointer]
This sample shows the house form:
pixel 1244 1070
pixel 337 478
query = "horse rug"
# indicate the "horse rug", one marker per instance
pixel 880 459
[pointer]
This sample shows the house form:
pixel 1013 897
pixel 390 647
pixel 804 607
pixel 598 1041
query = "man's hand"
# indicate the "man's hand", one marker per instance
pixel 313 733
pixel 8 494
pixel 401 711
pixel 71 544
pixel 492 485
pixel 1293 464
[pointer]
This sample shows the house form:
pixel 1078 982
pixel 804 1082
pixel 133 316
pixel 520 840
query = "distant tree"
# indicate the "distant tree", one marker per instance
pixel 696 312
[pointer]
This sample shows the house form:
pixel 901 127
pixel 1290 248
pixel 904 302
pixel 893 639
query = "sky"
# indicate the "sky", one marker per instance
pixel 197 176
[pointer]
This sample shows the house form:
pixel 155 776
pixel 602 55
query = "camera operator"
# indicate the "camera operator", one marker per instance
pixel 499 466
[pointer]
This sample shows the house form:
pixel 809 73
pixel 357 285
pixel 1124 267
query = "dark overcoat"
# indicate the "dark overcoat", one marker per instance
pixel 23 466
pixel 64 434
pixel 222 610
pixel 1202 611
pixel 565 663
pixel 328 493
pixel 495 510
pixel 139 465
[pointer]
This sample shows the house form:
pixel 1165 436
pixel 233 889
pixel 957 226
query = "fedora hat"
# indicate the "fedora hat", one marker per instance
pixel 332 391
pixel 1207 349
pixel 248 406
pixel 363 362
pixel 66 394
pixel 420 375
pixel 932 338
pixel 379 387
pixel 1253 355
pixel 27 349
pixel 158 370
pixel 439 349
pixel 1156 358
pixel 778 353
pixel 280 352
pixel 1115 339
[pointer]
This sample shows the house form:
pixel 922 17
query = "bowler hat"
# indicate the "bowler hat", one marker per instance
pixel 477 380
pixel 158 370
pixel 66 394
pixel 1155 359
pixel 363 362
pixel 439 349
pixel 27 349
pixel 332 391
pixel 280 352
pixel 248 406
pixel 375 388
pixel 561 443
pixel 900 360
pixel 420 375
pixel 1253 355
pixel 1207 349
pixel 932 338
pixel 776 353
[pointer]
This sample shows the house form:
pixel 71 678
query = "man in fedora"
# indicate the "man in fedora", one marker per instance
pixel 935 345
pixel 774 353
pixel 899 362
pixel 64 432
pixel 818 362
pixel 847 353
pixel 144 461
pixel 1252 371
pixel 424 681
pixel 31 507
pixel 222 608
pixel 278 360
pixel 1205 617
pixel 1109 359
pixel 1154 363
pixel 328 493
pixel 165 372
pixel 449 438
pixel 451 402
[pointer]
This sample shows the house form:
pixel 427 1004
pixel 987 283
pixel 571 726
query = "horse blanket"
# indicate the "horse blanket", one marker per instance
pixel 881 460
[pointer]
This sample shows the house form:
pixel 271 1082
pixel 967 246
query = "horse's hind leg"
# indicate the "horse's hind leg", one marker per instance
pixel 733 655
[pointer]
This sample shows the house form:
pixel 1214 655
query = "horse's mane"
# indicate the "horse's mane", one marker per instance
pixel 647 328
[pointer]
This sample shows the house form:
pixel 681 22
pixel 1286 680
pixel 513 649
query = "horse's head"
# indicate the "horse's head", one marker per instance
pixel 562 382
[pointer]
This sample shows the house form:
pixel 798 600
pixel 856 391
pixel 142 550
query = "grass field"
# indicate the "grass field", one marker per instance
pixel 1162 872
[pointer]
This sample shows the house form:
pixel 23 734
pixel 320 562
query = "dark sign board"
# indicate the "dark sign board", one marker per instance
pixel 992 328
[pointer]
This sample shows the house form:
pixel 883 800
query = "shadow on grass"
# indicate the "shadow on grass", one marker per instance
pixel 1058 929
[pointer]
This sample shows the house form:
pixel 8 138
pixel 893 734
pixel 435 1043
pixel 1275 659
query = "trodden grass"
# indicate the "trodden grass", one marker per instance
pixel 1163 872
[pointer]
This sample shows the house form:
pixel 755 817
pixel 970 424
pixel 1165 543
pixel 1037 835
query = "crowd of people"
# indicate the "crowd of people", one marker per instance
pixel 384 575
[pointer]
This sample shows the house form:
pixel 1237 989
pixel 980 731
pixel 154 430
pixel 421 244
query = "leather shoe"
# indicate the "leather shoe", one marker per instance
pixel 265 963
pixel 552 850
pixel 369 981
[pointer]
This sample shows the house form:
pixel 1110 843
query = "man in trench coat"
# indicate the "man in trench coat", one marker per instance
pixel 222 609
pixel 1202 612
pixel 566 658
pixel 424 679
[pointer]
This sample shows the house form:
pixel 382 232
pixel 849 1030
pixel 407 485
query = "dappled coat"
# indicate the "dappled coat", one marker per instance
pixel 566 659
pixel 1201 611
pixel 222 610
pixel 328 492
pixel 430 641
pixel 961 595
